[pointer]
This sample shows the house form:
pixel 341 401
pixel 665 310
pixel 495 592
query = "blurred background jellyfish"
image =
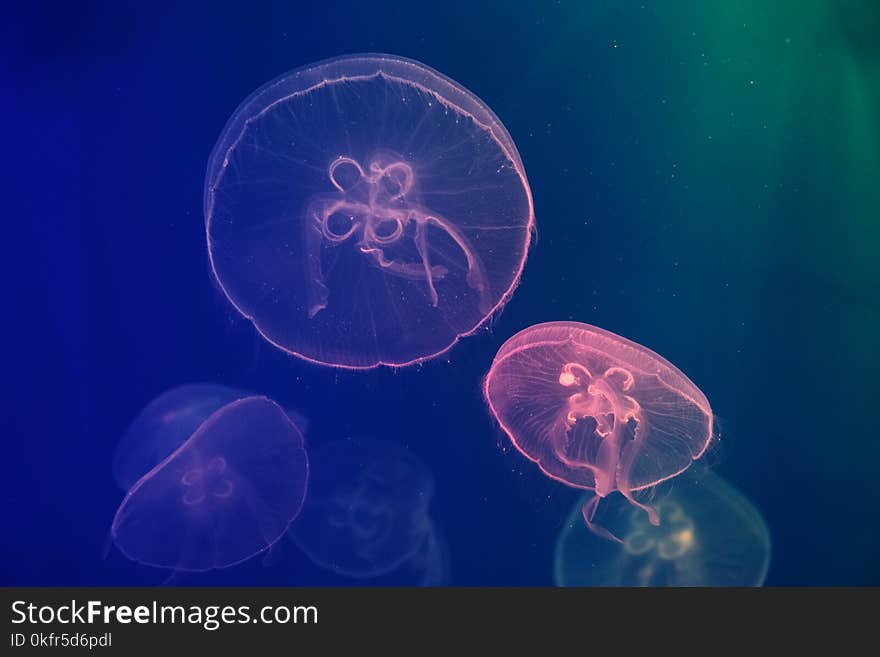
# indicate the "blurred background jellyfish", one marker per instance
pixel 428 566
pixel 597 411
pixel 226 493
pixel 366 210
pixel 366 514
pixel 709 535
pixel 164 425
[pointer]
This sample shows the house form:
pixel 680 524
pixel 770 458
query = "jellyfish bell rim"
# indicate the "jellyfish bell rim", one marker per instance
pixel 509 348
pixel 256 102
pixel 306 79
pixel 149 475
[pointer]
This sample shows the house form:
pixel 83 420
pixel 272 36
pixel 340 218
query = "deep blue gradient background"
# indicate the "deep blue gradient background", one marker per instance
pixel 704 184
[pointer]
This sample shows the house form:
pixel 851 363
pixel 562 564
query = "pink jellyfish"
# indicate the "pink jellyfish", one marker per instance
pixel 597 411
pixel 366 210
pixel 227 493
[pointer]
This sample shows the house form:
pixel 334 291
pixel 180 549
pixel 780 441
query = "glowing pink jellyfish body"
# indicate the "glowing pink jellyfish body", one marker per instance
pixel 597 411
pixel 366 210
pixel 227 493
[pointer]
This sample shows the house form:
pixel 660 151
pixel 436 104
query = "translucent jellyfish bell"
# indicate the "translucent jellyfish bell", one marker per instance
pixel 709 535
pixel 367 509
pixel 164 425
pixel 597 411
pixel 366 210
pixel 227 493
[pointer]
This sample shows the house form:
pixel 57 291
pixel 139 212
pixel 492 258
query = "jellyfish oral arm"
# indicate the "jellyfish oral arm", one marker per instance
pixel 603 398
pixel 589 512
pixel 628 456
pixel 422 247
pixel 476 279
pixel 402 269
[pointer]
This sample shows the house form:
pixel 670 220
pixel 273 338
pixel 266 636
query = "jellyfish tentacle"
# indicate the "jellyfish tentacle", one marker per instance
pixel 627 457
pixel 476 278
pixel 589 513
pixel 607 460
pixel 422 248
pixel 401 269
pixel 559 436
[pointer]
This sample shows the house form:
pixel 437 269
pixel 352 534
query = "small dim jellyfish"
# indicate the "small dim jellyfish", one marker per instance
pixel 164 425
pixel 709 535
pixel 597 411
pixel 367 509
pixel 230 491
pixel 366 210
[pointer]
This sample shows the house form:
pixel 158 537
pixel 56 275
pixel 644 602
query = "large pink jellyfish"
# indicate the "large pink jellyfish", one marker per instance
pixel 227 493
pixel 366 210
pixel 597 411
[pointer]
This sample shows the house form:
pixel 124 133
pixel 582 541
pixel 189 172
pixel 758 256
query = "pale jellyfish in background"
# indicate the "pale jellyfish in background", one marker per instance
pixel 230 491
pixel 164 425
pixel 597 411
pixel 366 210
pixel 167 422
pixel 709 535
pixel 367 509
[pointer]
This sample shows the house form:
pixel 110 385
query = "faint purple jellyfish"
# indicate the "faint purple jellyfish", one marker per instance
pixel 164 425
pixel 228 492
pixel 597 411
pixel 367 509
pixel 366 210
